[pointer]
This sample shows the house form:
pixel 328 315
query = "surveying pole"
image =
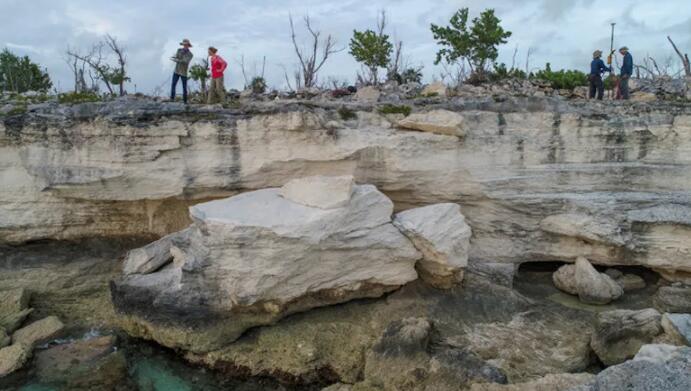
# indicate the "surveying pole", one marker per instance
pixel 609 59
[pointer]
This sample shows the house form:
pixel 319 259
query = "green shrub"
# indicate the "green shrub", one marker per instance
pixel 393 109
pixel 78 97
pixel 258 85
pixel 347 114
pixel 562 79
pixel 501 72
pixel 16 110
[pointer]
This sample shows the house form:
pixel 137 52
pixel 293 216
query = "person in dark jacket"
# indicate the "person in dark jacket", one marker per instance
pixel 182 60
pixel 626 72
pixel 597 69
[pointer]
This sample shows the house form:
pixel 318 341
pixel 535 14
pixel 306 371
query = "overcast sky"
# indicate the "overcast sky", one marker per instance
pixel 562 32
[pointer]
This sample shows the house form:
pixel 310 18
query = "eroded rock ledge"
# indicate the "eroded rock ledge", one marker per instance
pixel 537 178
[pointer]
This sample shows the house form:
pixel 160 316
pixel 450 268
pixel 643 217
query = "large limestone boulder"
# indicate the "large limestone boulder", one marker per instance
pixel 619 334
pixel 667 369
pixel 39 332
pixel 565 279
pixel 13 357
pixel 675 299
pixel 594 287
pixel 257 257
pixel 590 285
pixel 436 121
pixel 441 234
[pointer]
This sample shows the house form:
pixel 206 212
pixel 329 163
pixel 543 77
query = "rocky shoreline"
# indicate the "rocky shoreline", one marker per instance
pixel 487 242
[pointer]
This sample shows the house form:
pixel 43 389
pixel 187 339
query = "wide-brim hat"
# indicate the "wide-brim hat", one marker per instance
pixel 597 53
pixel 186 42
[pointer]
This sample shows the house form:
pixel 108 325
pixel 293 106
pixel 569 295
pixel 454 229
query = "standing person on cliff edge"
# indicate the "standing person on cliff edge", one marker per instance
pixel 597 69
pixel 626 72
pixel 217 91
pixel 182 60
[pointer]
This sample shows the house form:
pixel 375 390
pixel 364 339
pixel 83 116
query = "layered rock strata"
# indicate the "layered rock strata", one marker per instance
pixel 537 178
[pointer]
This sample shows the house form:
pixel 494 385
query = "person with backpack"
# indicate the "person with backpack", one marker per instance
pixel 182 60
pixel 217 89
pixel 597 69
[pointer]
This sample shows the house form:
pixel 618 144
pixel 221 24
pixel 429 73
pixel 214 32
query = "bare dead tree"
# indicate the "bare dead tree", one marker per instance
pixel 311 60
pixel 246 76
pixel 684 57
pixel 242 69
pixel 455 73
pixel 95 60
pixel 119 76
pixel 78 69
pixel 513 59
pixel 527 61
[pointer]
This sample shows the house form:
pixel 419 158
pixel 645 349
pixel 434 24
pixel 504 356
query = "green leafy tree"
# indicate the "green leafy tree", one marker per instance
pixel 19 74
pixel 373 50
pixel 200 73
pixel 476 44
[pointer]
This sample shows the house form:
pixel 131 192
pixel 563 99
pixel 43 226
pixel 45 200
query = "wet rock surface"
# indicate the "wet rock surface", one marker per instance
pixel 620 334
pixel 83 364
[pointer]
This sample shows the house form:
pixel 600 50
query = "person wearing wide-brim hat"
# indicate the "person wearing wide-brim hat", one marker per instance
pixel 626 72
pixel 597 69
pixel 182 60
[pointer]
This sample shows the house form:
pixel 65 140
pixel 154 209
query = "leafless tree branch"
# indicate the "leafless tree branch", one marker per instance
pixel 312 60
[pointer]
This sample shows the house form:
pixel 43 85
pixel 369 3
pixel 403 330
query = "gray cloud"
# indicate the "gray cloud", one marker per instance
pixel 562 32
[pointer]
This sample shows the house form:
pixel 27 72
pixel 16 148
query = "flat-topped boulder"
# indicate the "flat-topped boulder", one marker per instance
pixel 436 121
pixel 256 257
pixel 321 192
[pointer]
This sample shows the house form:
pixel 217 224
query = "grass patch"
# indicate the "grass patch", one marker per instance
pixel 394 109
pixel 78 97
pixel 16 110
pixel 347 114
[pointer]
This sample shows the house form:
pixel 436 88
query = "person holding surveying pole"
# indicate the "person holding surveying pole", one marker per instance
pixel 597 69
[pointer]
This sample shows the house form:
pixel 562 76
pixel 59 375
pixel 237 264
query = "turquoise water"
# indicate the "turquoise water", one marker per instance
pixel 152 368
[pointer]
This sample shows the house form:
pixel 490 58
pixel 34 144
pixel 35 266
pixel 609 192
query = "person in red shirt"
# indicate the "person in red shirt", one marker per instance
pixel 217 91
